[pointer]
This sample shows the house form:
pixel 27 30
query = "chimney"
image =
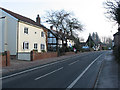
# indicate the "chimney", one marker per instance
pixel 60 30
pixel 51 27
pixel 38 19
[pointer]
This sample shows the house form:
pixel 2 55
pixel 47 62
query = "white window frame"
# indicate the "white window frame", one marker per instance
pixel 25 45
pixel 42 46
pixel 25 30
pixel 35 46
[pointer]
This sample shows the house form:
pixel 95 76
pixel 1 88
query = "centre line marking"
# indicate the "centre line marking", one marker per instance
pixel 73 62
pixel 76 80
pixel 49 73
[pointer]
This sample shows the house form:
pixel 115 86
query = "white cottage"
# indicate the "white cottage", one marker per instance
pixel 20 34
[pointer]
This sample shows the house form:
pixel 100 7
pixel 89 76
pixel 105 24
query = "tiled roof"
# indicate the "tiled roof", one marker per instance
pixel 22 18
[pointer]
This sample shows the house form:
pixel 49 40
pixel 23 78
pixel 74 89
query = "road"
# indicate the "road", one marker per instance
pixel 77 72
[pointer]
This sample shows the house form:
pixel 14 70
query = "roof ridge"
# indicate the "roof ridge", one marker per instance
pixel 22 18
pixel 6 10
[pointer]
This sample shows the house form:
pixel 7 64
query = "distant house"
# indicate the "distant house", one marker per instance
pixel 92 43
pixel 52 40
pixel 70 41
pixel 117 39
pixel 55 38
pixel 58 37
pixel 21 34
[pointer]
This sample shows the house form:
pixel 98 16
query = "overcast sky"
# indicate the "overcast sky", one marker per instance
pixel 89 12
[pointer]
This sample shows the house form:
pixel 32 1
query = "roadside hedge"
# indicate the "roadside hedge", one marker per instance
pixel 116 52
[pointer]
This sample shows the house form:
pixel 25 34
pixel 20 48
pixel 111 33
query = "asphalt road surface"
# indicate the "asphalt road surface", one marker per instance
pixel 77 72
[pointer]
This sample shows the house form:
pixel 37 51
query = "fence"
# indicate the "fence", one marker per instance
pixel 24 56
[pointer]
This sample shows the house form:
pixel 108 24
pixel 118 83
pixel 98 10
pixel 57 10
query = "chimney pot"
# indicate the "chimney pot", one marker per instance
pixel 38 19
pixel 51 27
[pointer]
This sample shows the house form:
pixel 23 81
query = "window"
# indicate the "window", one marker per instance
pixel 25 45
pixel 35 46
pixel 49 40
pixel 26 30
pixel 42 34
pixel 42 47
pixel 48 34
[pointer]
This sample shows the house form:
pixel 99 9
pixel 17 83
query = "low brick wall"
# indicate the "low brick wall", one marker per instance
pixel 38 56
pixel 5 60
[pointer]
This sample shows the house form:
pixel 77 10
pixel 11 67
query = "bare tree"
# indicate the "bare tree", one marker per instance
pixel 57 18
pixel 63 20
pixel 74 24
pixel 113 10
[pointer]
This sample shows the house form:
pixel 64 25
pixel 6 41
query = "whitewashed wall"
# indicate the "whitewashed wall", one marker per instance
pixel 10 33
pixel 1 34
pixel 31 37
pixel 70 42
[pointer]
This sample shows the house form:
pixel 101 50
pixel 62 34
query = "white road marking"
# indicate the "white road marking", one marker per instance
pixel 73 62
pixel 49 73
pixel 75 81
pixel 25 71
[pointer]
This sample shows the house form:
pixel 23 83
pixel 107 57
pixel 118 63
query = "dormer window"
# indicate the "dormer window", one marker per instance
pixel 26 30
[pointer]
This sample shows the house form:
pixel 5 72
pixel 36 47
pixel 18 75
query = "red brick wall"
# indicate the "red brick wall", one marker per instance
pixel 8 58
pixel 3 60
pixel 38 56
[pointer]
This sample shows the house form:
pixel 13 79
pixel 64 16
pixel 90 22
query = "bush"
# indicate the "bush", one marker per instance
pixel 77 47
pixel 69 49
pixel 35 50
pixel 43 51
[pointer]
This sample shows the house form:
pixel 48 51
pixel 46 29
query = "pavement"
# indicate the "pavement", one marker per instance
pixel 109 76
